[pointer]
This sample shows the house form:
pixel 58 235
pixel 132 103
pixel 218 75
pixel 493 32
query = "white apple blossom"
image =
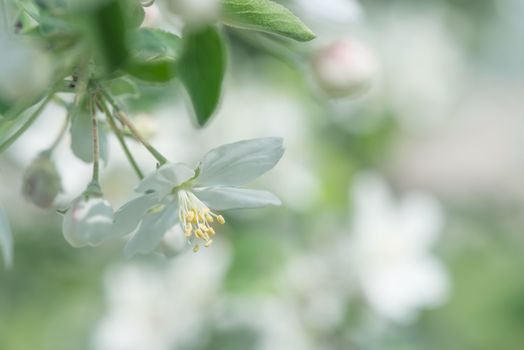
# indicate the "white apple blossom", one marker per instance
pixel 160 306
pixel 6 239
pixel 390 248
pixel 89 219
pixel 176 193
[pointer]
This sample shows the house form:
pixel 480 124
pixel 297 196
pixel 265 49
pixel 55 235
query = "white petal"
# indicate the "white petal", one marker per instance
pixel 6 239
pixel 223 198
pixel 129 215
pixel 88 221
pixel 165 178
pixel 152 228
pixel 238 163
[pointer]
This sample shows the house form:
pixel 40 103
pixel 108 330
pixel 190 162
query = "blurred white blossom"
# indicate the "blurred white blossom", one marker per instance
pixel 24 70
pixel 390 249
pixel 160 307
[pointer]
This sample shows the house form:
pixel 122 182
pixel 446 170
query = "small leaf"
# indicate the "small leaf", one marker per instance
pixel 159 70
pixel 148 43
pixel 154 54
pixel 123 87
pixel 201 69
pixel 82 136
pixel 266 16
pixel 106 26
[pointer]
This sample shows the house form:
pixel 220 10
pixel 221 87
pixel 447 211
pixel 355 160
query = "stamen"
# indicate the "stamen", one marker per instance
pixel 196 218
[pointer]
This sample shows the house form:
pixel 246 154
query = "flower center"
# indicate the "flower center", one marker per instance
pixel 196 218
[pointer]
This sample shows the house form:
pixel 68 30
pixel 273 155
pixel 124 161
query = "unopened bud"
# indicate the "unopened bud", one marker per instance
pixel 89 220
pixel 42 182
pixel 345 68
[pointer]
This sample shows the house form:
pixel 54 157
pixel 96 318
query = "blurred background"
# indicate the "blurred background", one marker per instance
pixel 402 185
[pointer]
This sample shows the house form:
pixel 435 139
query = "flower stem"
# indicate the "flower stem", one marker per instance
pixel 61 133
pixel 111 121
pixel 4 145
pixel 120 115
pixel 96 145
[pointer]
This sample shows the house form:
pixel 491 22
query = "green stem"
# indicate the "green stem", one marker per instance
pixel 120 115
pixel 61 133
pixel 96 145
pixel 26 125
pixel 120 136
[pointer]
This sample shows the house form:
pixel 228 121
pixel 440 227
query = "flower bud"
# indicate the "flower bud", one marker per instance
pixel 41 182
pixel 344 68
pixel 89 220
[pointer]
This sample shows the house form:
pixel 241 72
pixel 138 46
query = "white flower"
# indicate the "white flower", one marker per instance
pixel 161 306
pixel 176 193
pixel 6 239
pixel 390 246
pixel 89 220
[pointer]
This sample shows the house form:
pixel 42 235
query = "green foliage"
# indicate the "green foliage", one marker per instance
pixel 266 16
pixel 202 68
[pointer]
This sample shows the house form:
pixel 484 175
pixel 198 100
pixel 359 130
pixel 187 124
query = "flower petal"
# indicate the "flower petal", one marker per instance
pixel 238 163
pixel 152 228
pixel 6 239
pixel 165 178
pixel 223 198
pixel 129 215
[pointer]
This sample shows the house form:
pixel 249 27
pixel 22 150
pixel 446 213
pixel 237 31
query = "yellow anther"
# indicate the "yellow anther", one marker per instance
pixel 211 231
pixel 209 218
pixel 188 229
pixel 221 219
pixel 208 243
pixel 196 248
pixel 199 233
pixel 203 227
pixel 190 216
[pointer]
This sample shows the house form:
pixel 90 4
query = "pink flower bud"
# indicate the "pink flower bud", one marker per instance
pixel 344 68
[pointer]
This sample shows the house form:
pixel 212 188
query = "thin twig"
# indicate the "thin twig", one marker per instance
pixel 119 135
pixel 120 115
pixel 96 146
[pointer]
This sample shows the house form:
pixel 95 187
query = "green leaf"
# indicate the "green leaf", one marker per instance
pixel 149 43
pixel 123 87
pixel 82 136
pixel 201 69
pixel 106 27
pixel 266 16
pixel 159 70
pixel 154 54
